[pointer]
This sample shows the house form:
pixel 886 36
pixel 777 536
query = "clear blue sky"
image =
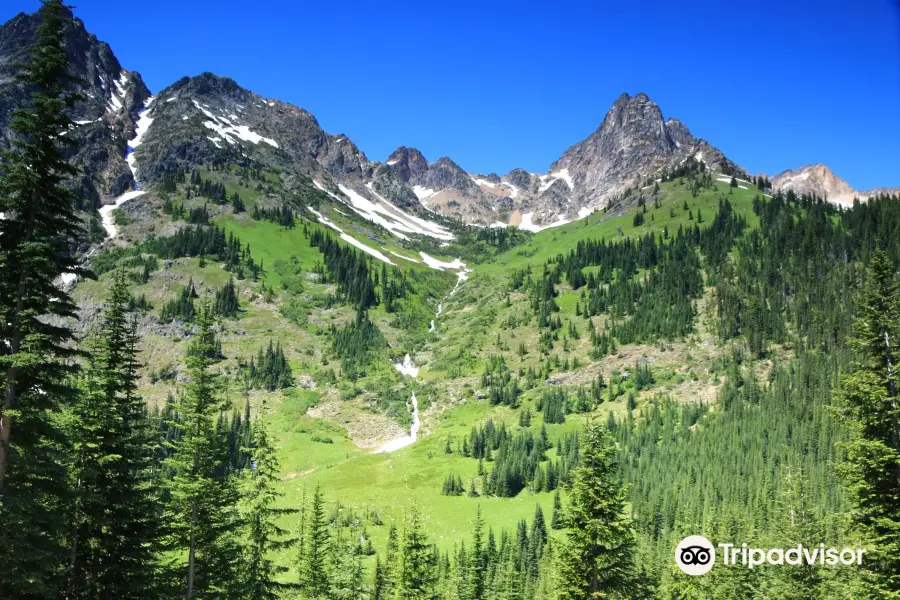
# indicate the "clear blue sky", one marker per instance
pixel 774 84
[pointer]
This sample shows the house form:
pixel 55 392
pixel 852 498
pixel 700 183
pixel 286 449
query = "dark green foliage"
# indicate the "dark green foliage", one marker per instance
pixel 598 555
pixel 501 386
pixel 260 574
pixel 453 486
pixel 226 302
pixel 393 287
pixel 39 222
pixel 269 370
pixel 871 401
pixel 314 547
pixel 202 511
pixel 139 304
pixel 237 204
pixel 557 522
pixel 115 520
pixel 554 405
pixel 198 216
pixel 357 344
pixel 210 242
pixel 283 215
pixel 349 268
pixel 416 561
pixel 207 188
pixel 180 308
pixel 643 376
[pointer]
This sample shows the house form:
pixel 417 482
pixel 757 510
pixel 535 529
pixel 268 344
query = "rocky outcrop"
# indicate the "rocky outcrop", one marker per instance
pixel 105 115
pixel 408 163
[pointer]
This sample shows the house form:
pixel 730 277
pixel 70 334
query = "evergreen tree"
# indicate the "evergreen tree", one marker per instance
pixel 180 308
pixel 35 232
pixel 269 370
pixel 115 527
pixel 556 521
pixel 226 302
pixel 871 394
pixel 314 550
pixel 203 505
pixel 475 575
pixel 597 559
pixel 263 534
pixel 345 569
pixel 416 575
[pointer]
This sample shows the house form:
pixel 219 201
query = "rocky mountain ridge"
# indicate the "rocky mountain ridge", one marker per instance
pixel 820 180
pixel 208 119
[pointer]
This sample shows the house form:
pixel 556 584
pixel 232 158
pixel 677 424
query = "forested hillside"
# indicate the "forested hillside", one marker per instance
pixel 259 386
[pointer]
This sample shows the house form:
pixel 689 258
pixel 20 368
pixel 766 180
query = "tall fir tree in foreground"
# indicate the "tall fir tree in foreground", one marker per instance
pixel 597 558
pixel 115 524
pixel 263 534
pixel 871 396
pixel 416 569
pixel 202 511
pixel 38 221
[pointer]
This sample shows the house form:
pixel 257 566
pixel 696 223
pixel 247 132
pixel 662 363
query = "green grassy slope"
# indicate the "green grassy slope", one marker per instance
pixel 326 432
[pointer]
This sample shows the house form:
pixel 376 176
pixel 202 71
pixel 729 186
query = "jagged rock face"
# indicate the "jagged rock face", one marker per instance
pixel 520 178
pixel 105 115
pixel 446 174
pixel 208 119
pixel 632 144
pixel 387 182
pixel 408 163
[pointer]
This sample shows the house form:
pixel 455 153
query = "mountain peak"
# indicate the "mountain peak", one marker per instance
pixel 105 115
pixel 815 179
pixel 408 163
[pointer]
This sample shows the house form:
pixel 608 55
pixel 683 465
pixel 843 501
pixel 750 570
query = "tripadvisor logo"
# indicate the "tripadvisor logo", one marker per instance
pixel 696 555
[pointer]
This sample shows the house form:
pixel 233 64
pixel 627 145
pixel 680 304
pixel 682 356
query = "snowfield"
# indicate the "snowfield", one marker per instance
pixel 528 225
pixel 513 190
pixel 350 239
pixel 143 125
pixel 423 193
pixel 385 213
pixel 109 222
pixel 434 263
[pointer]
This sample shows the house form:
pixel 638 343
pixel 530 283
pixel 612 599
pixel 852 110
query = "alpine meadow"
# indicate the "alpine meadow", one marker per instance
pixel 241 360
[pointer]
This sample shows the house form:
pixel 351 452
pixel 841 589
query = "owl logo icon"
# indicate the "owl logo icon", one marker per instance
pixel 695 555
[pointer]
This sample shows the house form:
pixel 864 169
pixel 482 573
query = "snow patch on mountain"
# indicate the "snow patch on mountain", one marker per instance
pixel 140 130
pixel 514 191
pixel 223 125
pixel 109 221
pixel 413 223
pixel 423 193
pixel 484 182
pixel 551 178
pixel 440 265
pixel 350 239
pixel 528 224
